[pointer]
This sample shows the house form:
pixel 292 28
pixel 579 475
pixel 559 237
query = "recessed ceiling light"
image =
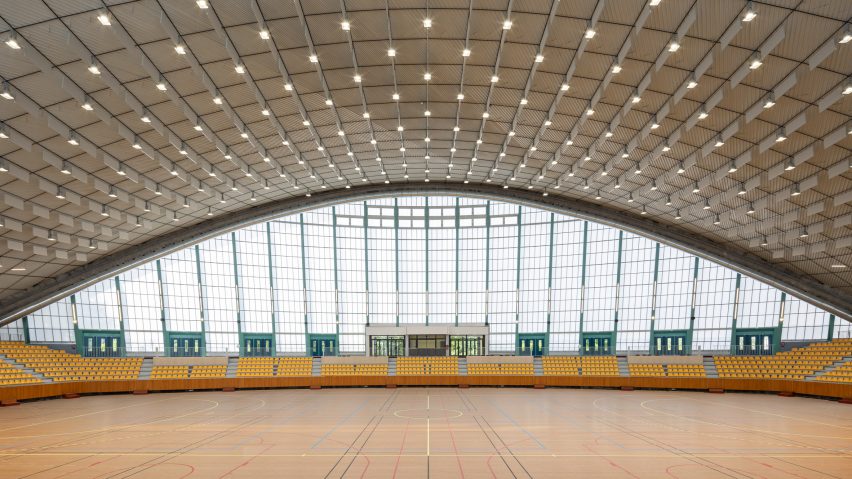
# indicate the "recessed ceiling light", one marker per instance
pixel 239 69
pixel 494 78
pixel 313 58
pixel 202 4
pixel 590 33
pixel 539 58
pixel 395 96
pixel 427 23
pixel 180 49
pixel 466 52
pixel 103 17
pixel 838 265
pixel 391 52
pixel 345 26
pixel 750 13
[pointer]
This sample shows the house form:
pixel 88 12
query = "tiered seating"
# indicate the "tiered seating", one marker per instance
pixel 209 371
pixel 427 366
pixel 561 365
pixel 502 369
pixel 256 367
pixel 12 376
pixel 685 371
pixel 646 370
pixel 295 366
pixel 599 366
pixel 170 372
pixel 842 374
pixel 355 369
pixel 795 364
pixel 62 366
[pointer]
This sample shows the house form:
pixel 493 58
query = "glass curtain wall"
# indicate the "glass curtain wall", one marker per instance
pixel 436 260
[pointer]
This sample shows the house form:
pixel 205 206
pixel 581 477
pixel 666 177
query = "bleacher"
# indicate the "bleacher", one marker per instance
pixel 500 369
pixel 599 366
pixel 686 371
pixel 648 370
pixel 170 372
pixel 842 374
pixel 561 365
pixel 208 371
pixel 12 376
pixel 797 363
pixel 427 366
pixel 256 367
pixel 294 366
pixel 355 369
pixel 62 366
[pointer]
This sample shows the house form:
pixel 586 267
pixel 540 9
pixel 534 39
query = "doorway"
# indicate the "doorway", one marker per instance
pixel 467 345
pixel 257 345
pixel 531 344
pixel 323 345
pixel 387 345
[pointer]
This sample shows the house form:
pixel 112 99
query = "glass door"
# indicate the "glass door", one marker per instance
pixel 467 345
pixel 101 344
pixel 531 344
pixel 323 346
pixel 257 346
pixel 597 345
pixel 754 343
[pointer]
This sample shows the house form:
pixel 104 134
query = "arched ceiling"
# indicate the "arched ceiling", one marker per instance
pixel 130 120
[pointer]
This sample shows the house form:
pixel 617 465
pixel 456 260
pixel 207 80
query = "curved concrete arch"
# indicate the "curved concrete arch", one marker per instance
pixel 46 292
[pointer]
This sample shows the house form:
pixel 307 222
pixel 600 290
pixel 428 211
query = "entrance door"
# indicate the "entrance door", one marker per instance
pixel 670 343
pixel 387 345
pixel 185 345
pixel 257 346
pixel 323 346
pixel 101 344
pixel 757 343
pixel 467 345
pixel 530 345
pixel 597 345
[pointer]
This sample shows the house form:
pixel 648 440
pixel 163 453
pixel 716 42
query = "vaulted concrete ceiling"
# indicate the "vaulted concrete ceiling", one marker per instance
pixel 128 120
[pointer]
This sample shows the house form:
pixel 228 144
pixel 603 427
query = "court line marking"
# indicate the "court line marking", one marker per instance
pixel 659 456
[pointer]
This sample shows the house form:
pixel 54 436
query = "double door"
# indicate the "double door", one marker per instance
pixel 257 346
pixel 467 345
pixel 323 346
pixel 531 345
pixel 387 345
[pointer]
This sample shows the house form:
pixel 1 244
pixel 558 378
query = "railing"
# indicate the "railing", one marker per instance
pixel 752 351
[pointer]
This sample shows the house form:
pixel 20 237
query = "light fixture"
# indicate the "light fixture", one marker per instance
pixel 624 153
pixel 427 23
pixel 3 133
pixel 507 24
pixel 182 149
pixel 357 78
pixel 796 190
pixel 112 193
pixel 804 232
pixel 524 101
pixel 755 61
pixel 764 241
pixel 616 69
pixel 674 45
pixel 702 113
pixel 72 139
pixel 161 84
pixel 466 52
pixel 791 164
pixel 638 170
pixel 173 170
pixel 719 142
pixel 87 104
pixel 717 220
pixel 174 216
pixel 846 37
pixel 202 4
pixel 848 88
pixel 668 200
pixel 636 98
pixel 750 13
pixel 696 188
pixel 539 58
pixel 655 125
pixel 654 185
pixel 677 215
pixel 666 146
pixel 265 111
pixel 781 136
pixel 590 112
pixel 608 134
pixel 158 190
pixel 494 78
pixel 654 3
pixel 770 101
pixel 180 49
pixel 693 82
pixel 345 25
pixel 706 204
pixel 680 168
pixel 391 52
pixel 313 58
pixel 93 68
pixel 395 96
pixel 93 244
pixel 104 210
pixel 103 17
pixel 288 87
pixel 6 91
pixel 750 210
pixel 590 32
pixel 838 265
pixel 742 189
pixel 145 118
pixel 121 171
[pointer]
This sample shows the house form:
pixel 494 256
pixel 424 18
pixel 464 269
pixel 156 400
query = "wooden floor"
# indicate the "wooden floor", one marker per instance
pixel 436 432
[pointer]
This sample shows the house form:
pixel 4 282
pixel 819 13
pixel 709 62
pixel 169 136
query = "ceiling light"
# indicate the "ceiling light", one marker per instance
pixel 539 58
pixel 764 241
pixel 693 82
pixel 112 193
pixel 702 113
pixel 357 78
pixel 636 98
pixel 848 88
pixel 161 84
pixel 654 185
pixel 104 210
pixel 86 105
pixel 217 100
pixel 6 92
pixel 365 115
pixel 372 141
pixel 791 164
pixel 305 123
pixel 803 233
pixel 677 215
pixel 288 86
pixel 3 133
pixel 427 23
pixel 511 133
pixel 264 111
pixel 638 170
pixel 180 49
pixel 598 195
pixel 93 244
pixel 608 134
pixel 770 101
pixel 456 128
pixel 12 41
pixel 847 35
pixel 655 125
pixel 781 136
pixel 616 69
pixel 427 113
pixel 479 141
pixel 93 69
pixel 719 142
pixel 103 17
pixel 391 52
pixel 838 265
pixel 466 52
pixel 680 169
pixel 750 210
pixel 796 190
pixel 202 4
pixel 624 154
pixel 717 220
pixel 756 62
pixel 182 149
pixel 564 87
pixel 460 96
pixel 395 96
pixel 65 170
pixel 174 216
pixel 524 101
pixel 590 33
pixel 328 102
pixel 696 188
pixel 750 13
pixel 507 24
pixel 590 112
pixel 494 78
pixel 617 184
pixel 121 171
pixel 668 200
pixel 60 193
pixel 72 139
pixel 345 26
pixel 548 123
pixel 674 46
pixel 239 69
pixel 313 58
pixel 427 76
pixel 666 146
pixel 707 204
pixel 654 3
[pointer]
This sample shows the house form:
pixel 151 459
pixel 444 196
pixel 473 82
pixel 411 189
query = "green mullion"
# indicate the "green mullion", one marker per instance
pixel 426 266
pixel 583 279
pixel 78 335
pixel 366 264
pixel 487 258
pixel 617 289
pixel 396 255
pixel 163 307
pixel 736 314
pixel 336 285
pixel 200 299
pixel 654 298
pixel 518 284
pixel 25 323
pixel 123 341
pixel 692 307
pixel 458 224
pixel 304 283
pixel 779 326
pixel 829 337
pixel 549 283
pixel 237 290
pixel 271 285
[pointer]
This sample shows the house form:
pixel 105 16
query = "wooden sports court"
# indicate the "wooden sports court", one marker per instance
pixel 428 432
